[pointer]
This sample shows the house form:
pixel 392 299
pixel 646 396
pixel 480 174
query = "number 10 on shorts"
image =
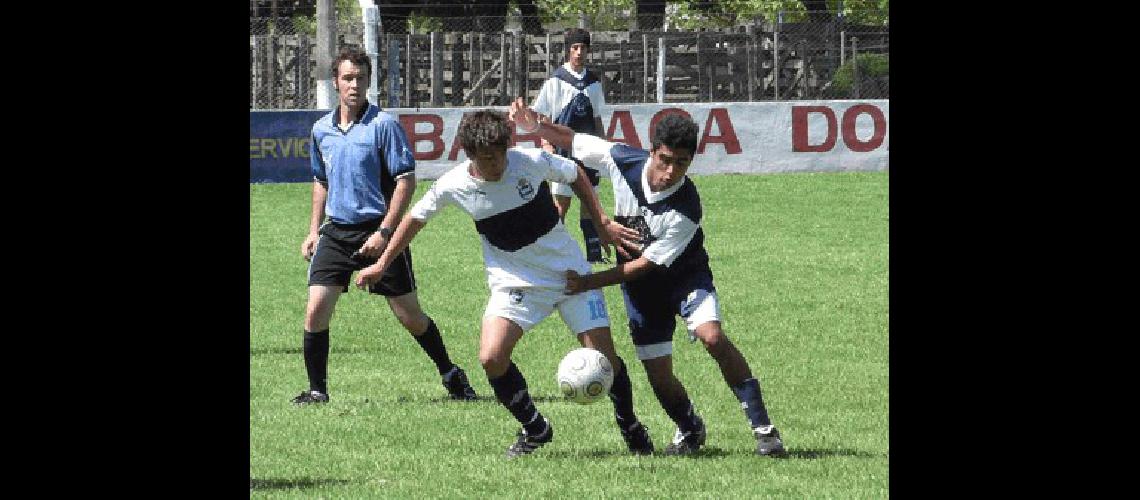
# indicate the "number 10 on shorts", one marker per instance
pixel 597 309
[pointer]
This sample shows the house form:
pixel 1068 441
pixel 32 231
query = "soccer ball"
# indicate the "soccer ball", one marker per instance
pixel 585 375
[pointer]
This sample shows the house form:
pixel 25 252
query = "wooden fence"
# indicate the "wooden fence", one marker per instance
pixel 480 69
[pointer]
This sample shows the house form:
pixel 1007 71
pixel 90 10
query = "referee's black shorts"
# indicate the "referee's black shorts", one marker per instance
pixel 333 263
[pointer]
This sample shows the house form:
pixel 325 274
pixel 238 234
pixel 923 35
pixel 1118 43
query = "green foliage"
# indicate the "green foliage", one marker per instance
pixel 726 13
pixel 419 23
pixel 602 15
pixel 870 66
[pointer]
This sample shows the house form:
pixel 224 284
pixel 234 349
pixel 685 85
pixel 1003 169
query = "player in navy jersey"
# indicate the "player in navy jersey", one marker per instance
pixel 573 96
pixel 363 179
pixel 526 252
pixel 665 271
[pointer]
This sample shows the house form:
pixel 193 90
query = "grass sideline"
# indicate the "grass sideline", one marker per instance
pixel 801 266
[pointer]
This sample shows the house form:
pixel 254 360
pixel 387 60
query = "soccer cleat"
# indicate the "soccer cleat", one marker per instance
pixel 687 443
pixel 768 441
pixel 637 439
pixel 455 381
pixel 310 397
pixel 526 444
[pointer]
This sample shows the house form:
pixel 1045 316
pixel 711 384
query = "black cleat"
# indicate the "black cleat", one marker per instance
pixel 455 381
pixel 526 444
pixel 637 439
pixel 310 397
pixel 687 443
pixel 768 441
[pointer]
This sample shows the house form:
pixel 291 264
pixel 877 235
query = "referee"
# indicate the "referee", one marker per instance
pixel 363 179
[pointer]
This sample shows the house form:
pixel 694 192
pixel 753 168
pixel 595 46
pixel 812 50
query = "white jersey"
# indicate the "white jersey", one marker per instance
pixel 559 91
pixel 668 221
pixel 524 242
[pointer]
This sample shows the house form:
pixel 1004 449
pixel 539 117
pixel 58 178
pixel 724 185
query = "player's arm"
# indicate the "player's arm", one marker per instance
pixel 403 237
pixel 585 192
pixel 621 273
pixel 529 122
pixel 316 216
pixel 320 196
pixel 401 198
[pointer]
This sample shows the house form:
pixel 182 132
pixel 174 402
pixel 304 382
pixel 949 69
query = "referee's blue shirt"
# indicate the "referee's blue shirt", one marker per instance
pixel 352 164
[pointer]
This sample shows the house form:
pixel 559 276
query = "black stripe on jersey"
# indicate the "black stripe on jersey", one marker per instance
pixel 522 225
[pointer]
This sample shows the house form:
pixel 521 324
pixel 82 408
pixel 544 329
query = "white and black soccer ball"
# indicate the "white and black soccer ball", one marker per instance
pixel 585 376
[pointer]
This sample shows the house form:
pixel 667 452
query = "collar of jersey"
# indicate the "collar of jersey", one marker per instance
pixel 652 197
pixel 580 76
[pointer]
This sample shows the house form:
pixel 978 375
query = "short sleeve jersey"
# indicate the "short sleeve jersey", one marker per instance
pixel 572 99
pixel 668 221
pixel 359 166
pixel 524 243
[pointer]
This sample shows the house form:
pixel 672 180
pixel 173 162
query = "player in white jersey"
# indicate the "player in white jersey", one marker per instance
pixel 526 251
pixel 573 96
pixel 666 271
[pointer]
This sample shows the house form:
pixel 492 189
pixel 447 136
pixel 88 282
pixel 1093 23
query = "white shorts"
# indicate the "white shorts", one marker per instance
pixel 528 306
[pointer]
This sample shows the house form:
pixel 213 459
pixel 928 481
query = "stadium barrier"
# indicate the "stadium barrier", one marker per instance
pixel 748 138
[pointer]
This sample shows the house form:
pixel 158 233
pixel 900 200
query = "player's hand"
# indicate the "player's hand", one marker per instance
pixel 374 246
pixel 575 283
pixel 621 237
pixel 309 246
pixel 368 276
pixel 525 119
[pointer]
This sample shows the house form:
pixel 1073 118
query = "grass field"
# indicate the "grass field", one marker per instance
pixel 801 266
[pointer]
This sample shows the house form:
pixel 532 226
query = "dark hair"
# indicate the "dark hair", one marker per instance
pixel 576 35
pixel 357 56
pixel 483 129
pixel 676 131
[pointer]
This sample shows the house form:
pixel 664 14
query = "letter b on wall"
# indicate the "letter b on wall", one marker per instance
pixel 800 139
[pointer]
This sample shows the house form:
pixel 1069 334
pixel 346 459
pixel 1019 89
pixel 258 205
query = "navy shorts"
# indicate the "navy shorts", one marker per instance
pixel 333 263
pixel 653 307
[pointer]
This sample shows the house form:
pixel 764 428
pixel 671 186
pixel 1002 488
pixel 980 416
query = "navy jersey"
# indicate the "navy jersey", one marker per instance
pixel 668 221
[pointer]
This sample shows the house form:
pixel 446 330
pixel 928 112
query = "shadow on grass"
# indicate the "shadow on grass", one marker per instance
pixel 478 399
pixel 814 454
pixel 297 350
pixel 712 452
pixel 286 484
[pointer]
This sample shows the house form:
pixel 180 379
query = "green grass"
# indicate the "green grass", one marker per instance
pixel 801 266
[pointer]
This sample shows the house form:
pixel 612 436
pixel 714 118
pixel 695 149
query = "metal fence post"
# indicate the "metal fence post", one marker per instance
pixel 660 69
pixel 393 72
pixel 273 76
pixel 436 69
pixel 776 56
pixel 518 88
pixel 457 68
pixel 371 47
pixel 855 77
pixel 502 69
pixel 409 71
pixel 748 67
pixel 644 67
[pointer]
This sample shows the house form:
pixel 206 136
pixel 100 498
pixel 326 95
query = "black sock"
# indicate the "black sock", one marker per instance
pixel 621 393
pixel 432 344
pixel 590 236
pixel 748 392
pixel 510 389
pixel 316 350
pixel 681 412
